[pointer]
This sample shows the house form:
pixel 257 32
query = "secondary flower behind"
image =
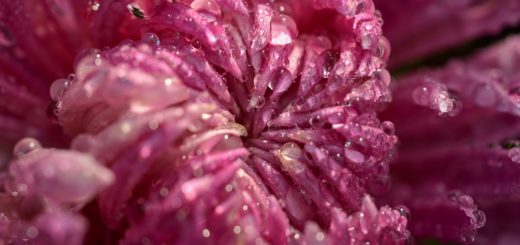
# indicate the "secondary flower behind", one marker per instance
pixel 225 122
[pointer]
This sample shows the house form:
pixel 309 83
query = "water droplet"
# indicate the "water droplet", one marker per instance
pixel 404 211
pixel 456 102
pixel 326 61
pixel 257 101
pixel 206 233
pixel 32 232
pixel 480 218
pixel 316 121
pixel 164 192
pixel 421 96
pixel 383 75
pixel 445 105
pixel 360 6
pixel 283 8
pixel 25 146
pixel 98 60
pixel 348 143
pixel 237 229
pixel 388 127
pixel 301 101
pixel 58 88
pixel 283 30
pixel 289 156
pixel 366 42
pixel 514 154
pixel 52 112
pixel 271 84
pixel 290 151
pixel 198 172
pixel 151 38
pixel 94 5
pixel 466 201
pixel 383 48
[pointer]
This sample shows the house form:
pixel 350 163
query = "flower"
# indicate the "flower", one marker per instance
pixel 471 153
pixel 246 121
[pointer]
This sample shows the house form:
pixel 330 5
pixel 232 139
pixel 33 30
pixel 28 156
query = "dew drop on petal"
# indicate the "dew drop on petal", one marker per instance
pixel 326 61
pixel 58 88
pixel 164 191
pixel 466 201
pixel 98 60
pixel 151 38
pixel 404 211
pixel 388 127
pixel 25 146
pixel 71 77
pixel 290 151
pixel 514 154
pixel 421 96
pixel 228 188
pixel 237 229
pixel 271 84
pixel 257 101
pixel 383 75
pixel 206 233
pixel 32 232
pixel 289 155
pixel 383 48
pixel 94 5
pixel 480 218
pixel 316 121
pixel 283 30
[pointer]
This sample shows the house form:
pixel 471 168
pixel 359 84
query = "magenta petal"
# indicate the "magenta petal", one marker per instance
pixel 418 28
pixel 63 176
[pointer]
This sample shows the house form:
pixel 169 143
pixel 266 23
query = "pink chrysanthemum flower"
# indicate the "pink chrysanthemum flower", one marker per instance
pixel 253 122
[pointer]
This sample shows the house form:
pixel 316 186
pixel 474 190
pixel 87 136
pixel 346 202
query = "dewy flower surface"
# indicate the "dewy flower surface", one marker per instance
pixel 249 122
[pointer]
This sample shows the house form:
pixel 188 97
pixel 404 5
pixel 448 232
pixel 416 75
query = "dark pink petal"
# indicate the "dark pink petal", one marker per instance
pixel 418 28
pixel 476 153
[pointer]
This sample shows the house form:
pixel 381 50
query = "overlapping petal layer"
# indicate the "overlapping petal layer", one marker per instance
pixel 471 148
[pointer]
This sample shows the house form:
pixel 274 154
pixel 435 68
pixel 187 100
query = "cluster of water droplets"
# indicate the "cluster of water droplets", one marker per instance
pixel 437 97
pixel 57 91
pixel 514 154
pixel 477 217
